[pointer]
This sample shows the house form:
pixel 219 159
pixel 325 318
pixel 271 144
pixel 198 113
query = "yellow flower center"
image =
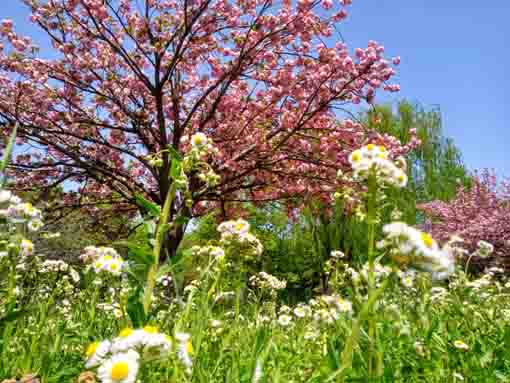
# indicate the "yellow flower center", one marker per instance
pixel 99 265
pixel 197 140
pixel 124 333
pixel 239 226
pixel 382 148
pixel 114 266
pixel 120 370
pixel 108 258
pixel 427 240
pixel 356 156
pixel 370 147
pixel 150 329
pixel 189 347
pixel 91 349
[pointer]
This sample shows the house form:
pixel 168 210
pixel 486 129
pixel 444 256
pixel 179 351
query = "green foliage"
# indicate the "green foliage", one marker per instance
pixel 435 168
pixel 300 248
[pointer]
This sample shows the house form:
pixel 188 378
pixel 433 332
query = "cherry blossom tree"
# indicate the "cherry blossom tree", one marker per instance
pixel 478 213
pixel 265 80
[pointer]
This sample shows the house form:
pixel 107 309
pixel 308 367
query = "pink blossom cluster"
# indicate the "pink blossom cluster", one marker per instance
pixel 478 213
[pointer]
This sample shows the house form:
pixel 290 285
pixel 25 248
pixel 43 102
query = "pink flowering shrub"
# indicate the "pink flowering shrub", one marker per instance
pixel 481 212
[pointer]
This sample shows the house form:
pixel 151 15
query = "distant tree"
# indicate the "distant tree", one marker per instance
pixel 435 167
pixel 480 212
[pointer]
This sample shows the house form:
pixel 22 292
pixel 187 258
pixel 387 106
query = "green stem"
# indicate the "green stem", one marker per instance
pixel 158 244
pixel 371 220
pixel 466 269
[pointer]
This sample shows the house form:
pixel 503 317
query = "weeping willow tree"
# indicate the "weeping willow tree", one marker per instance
pixel 435 169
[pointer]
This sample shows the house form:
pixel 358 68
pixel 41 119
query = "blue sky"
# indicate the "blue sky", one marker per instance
pixel 454 54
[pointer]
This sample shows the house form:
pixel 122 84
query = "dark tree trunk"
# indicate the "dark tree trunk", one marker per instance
pixel 172 242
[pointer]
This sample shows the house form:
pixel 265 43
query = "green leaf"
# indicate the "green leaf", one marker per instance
pixel 176 169
pixel 149 207
pixel 175 154
pixel 135 308
pixel 140 254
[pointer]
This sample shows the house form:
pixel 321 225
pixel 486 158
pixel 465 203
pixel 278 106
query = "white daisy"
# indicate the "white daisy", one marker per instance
pixel 185 350
pixel 284 320
pixel 26 247
pixel 300 312
pixel 127 339
pixel 96 352
pixel 198 140
pixel 120 368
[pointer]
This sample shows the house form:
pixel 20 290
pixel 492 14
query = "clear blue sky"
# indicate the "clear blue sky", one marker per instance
pixel 455 54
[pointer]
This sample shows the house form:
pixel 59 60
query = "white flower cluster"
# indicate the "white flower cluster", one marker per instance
pixel 337 303
pixel 375 157
pixel 418 249
pixel 201 146
pixel 213 251
pixel 337 254
pixel 407 278
pixel 265 281
pixel 327 309
pixel 380 271
pixel 238 231
pixel 55 266
pixel 119 360
pixel 200 142
pixel 17 211
pixel 103 259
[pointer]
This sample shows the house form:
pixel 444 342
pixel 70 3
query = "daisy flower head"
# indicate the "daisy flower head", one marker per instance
pixel 120 368
pixel 376 157
pixel 300 312
pixel 460 345
pixel 343 305
pixel 235 227
pixel 26 248
pixel 337 254
pixel 35 224
pixel 241 227
pixel 198 140
pixel 115 265
pixel 284 320
pixel 419 249
pixel 184 350
pixel 128 338
pixel 96 352
pixel 355 157
pixel 216 252
pixel 154 341
pixel 151 337
pixel 108 260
